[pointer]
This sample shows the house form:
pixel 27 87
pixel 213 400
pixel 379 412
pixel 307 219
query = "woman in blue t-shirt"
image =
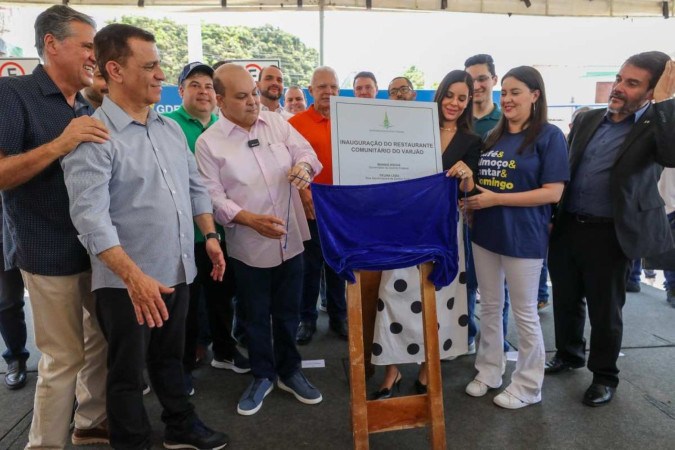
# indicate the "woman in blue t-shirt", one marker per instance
pixel 521 173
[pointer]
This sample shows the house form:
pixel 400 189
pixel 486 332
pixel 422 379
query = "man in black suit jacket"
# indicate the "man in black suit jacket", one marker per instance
pixel 611 213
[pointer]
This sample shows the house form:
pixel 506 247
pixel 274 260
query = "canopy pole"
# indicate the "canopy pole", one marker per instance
pixel 321 31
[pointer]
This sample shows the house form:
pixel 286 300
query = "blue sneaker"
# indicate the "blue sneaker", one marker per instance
pixel 252 398
pixel 301 388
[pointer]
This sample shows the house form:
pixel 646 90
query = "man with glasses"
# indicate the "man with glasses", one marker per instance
pixel 401 88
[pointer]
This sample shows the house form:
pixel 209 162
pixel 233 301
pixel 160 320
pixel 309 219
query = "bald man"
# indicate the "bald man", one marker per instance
pixel 254 185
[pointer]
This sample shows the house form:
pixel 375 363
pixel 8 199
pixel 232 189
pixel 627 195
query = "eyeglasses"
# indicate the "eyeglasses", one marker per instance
pixel 402 90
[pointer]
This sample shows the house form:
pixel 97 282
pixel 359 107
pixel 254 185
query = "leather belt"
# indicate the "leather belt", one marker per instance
pixel 583 218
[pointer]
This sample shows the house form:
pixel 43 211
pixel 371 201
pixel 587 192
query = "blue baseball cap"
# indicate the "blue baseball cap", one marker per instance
pixel 188 69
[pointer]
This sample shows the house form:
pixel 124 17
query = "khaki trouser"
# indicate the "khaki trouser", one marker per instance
pixel 73 361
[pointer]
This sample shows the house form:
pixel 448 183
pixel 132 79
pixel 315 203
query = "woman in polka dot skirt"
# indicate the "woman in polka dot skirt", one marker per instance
pixel 398 325
pixel 520 174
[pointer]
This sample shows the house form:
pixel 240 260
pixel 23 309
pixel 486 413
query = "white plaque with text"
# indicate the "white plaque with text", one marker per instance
pixel 377 141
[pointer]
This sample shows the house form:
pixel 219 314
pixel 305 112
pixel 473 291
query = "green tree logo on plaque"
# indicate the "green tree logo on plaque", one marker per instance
pixel 386 124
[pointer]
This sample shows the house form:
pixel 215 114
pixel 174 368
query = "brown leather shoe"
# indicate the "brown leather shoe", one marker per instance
pixel 96 435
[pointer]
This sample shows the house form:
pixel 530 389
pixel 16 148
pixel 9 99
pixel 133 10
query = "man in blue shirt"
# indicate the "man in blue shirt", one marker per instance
pixel 44 118
pixel 611 213
pixel 133 200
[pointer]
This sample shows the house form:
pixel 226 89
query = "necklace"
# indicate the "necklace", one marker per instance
pixel 449 129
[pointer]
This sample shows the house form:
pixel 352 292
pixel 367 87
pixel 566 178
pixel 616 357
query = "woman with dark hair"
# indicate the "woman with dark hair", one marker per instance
pixel 398 325
pixel 520 175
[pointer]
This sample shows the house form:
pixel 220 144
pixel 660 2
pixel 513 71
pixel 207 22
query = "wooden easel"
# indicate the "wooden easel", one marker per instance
pixel 373 416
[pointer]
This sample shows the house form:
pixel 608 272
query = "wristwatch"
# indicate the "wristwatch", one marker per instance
pixel 215 236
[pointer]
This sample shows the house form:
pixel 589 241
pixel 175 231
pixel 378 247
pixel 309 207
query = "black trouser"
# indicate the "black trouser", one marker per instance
pixel 12 318
pixel 335 286
pixel 218 296
pixel 131 347
pixel 585 260
pixel 272 300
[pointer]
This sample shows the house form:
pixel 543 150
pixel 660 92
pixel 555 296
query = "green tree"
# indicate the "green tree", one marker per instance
pixel 234 42
pixel 416 76
pixel 171 42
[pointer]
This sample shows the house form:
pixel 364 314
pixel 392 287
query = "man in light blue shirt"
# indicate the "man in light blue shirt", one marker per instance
pixel 132 201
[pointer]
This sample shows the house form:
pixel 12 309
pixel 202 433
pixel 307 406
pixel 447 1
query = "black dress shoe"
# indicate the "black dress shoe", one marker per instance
pixel 305 332
pixel 340 328
pixel 420 388
pixel 388 392
pixel 556 365
pixel 15 378
pixel 598 395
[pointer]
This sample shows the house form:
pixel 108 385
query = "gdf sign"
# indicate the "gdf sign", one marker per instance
pixel 254 66
pixel 14 67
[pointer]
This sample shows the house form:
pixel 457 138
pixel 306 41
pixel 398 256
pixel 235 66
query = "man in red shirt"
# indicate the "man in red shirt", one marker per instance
pixel 314 125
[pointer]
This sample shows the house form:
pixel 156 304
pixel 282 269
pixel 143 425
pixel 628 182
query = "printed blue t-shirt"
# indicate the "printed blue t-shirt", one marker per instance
pixel 517 231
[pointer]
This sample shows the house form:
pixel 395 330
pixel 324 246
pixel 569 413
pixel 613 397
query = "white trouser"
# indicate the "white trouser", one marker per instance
pixel 522 277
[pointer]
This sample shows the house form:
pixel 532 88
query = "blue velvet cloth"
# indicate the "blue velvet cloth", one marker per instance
pixel 390 226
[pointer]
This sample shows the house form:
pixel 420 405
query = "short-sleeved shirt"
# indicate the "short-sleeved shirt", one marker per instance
pixel 193 128
pixel 518 231
pixel 316 129
pixel 35 112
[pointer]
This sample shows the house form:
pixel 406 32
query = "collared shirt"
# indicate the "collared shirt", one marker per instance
pixel 139 190
pixel 192 128
pixel 589 190
pixel 255 179
pixel 316 129
pixel 35 112
pixel 280 110
pixel 483 125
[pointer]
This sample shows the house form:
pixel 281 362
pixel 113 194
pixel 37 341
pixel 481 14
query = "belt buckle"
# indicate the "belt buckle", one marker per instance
pixel 581 218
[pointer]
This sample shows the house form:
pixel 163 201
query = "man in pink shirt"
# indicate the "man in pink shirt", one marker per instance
pixel 253 164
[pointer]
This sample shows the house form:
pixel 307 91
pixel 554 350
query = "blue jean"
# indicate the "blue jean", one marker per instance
pixel 12 318
pixel 472 289
pixel 542 296
pixel 272 300
pixel 635 270
pixel 335 286
pixel 669 274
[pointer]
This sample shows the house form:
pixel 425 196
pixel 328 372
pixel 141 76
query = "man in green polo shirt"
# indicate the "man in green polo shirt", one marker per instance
pixel 196 114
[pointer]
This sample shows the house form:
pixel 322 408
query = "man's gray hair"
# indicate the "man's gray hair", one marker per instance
pixel 56 21
pixel 325 69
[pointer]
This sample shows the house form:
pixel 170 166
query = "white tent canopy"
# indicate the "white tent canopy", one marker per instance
pixel 572 8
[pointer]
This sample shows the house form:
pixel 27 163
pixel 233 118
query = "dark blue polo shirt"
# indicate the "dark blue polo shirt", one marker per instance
pixel 35 112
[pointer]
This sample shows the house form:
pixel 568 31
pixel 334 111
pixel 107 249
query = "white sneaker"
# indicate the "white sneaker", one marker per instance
pixel 477 388
pixel 508 401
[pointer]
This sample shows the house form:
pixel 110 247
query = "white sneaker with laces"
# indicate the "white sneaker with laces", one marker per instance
pixel 508 401
pixel 477 388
